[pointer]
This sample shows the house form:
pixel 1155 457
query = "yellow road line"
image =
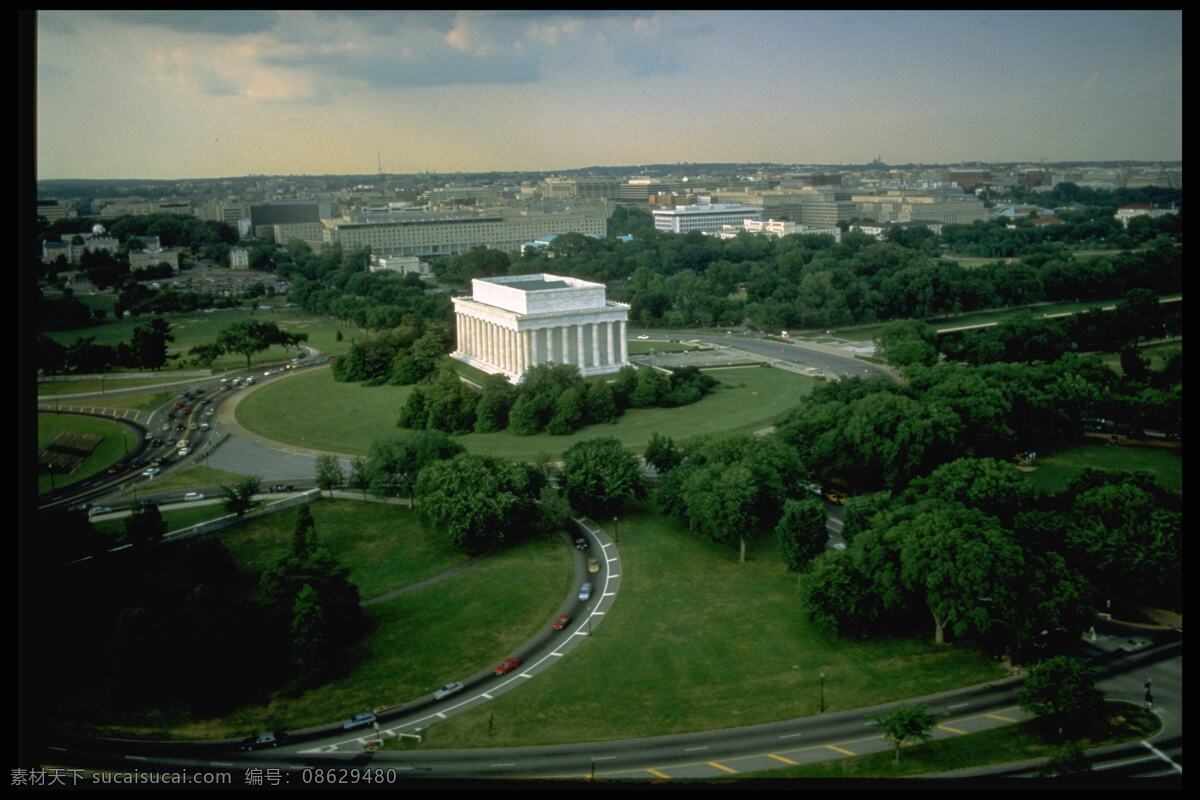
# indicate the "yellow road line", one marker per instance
pixel 787 761
pixel 658 774
pixel 1002 719
pixel 952 730
pixel 841 750
pixel 722 767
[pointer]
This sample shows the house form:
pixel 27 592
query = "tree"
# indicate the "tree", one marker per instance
pixel 904 723
pixel 1063 689
pixel 652 387
pixel 239 498
pixel 251 336
pixel 906 342
pixel 394 461
pixel 495 402
pixel 360 475
pixel 480 502
pixel 962 564
pixel 1066 761
pixel 309 644
pixel 145 526
pixel 599 474
pixel 662 454
pixel 329 473
pixel 150 343
pixel 304 539
pixel 802 532
pixel 205 354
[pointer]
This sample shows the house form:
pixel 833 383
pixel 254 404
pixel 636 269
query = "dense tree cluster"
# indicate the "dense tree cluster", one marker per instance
pixel 551 397
pixel 173 230
pixel 974 549
pixel 147 349
pixel 481 502
pixel 403 355
pixel 732 489
pixel 598 475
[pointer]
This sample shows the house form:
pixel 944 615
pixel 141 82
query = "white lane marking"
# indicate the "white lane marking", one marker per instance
pixel 694 749
pixel 790 735
pixel 440 714
pixel 503 765
pixel 556 654
pixel 609 594
pixel 1163 756
pixel 137 758
pixel 605 546
pixel 614 576
pixel 525 675
pixel 603 758
pixel 597 613
pixel 612 560
pixel 958 705
pixel 579 633
pixel 59 749
pixel 488 696
pixel 1115 764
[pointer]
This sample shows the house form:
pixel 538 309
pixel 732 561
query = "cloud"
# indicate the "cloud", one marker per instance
pixel 398 68
pixel 1090 83
pixel 220 23
pixel 50 22
pixel 49 72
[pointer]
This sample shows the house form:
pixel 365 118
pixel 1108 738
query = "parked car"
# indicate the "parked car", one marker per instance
pixel 193 496
pixel 581 543
pixel 264 740
pixel 1135 644
pixel 506 666
pixel 447 690
pixel 362 719
pixel 585 592
pixel 562 622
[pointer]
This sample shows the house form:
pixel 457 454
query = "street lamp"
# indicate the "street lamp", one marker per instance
pixel 617 529
pixel 822 691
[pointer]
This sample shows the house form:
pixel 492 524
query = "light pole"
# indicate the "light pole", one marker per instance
pixel 822 691
pixel 617 529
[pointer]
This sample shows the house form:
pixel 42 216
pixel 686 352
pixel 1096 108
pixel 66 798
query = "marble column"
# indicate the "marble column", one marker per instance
pixel 566 344
pixel 595 344
pixel 523 353
pixel 534 346
pixel 491 338
pixel 579 342
pixel 624 343
pixel 612 357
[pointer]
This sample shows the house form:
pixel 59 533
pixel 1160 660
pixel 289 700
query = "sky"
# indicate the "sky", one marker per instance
pixel 177 94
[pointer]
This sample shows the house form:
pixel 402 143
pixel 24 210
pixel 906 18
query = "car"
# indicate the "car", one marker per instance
pixel 183 451
pixel 187 411
pixel 447 690
pixel 1135 644
pixel 362 719
pixel 178 406
pixel 94 510
pixel 506 666
pixel 264 740
pixel 181 426
pixel 562 622
pixel 114 469
pixel 643 337
pixel 204 426
pixel 200 391
pixel 839 545
pixel 209 412
pixel 171 415
pixel 593 566
pixel 194 426
pixel 836 498
pixel 815 488
pixel 581 543
pixel 166 426
pixel 193 496
pixel 282 487
pixel 585 592
pixel 150 472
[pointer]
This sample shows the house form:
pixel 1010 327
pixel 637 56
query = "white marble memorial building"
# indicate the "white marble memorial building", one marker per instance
pixel 511 323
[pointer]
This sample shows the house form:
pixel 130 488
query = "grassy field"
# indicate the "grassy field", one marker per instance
pixel 384 546
pixel 418 641
pixel 640 348
pixel 176 519
pixel 313 410
pixel 1026 740
pixel 188 478
pixel 95 385
pixel 1157 353
pixel 197 328
pixel 118 439
pixel 697 641
pixel 1053 472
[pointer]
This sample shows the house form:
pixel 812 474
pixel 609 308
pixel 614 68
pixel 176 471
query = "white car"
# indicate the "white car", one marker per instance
pixel 643 337
pixel 150 472
pixel 183 451
pixel 193 496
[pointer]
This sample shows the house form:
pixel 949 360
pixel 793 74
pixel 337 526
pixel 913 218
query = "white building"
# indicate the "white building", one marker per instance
pixel 1126 213
pixel 781 228
pixel 402 264
pixel 239 258
pixel 703 217
pixel 514 322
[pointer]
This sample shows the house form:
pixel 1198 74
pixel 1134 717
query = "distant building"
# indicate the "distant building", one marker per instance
pixel 239 258
pixel 776 227
pixel 512 323
pixel 703 217
pixel 311 233
pixel 140 259
pixel 265 216
pixel 54 210
pixel 969 179
pixel 1126 213
pixel 406 265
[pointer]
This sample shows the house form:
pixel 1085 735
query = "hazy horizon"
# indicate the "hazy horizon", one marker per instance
pixel 166 95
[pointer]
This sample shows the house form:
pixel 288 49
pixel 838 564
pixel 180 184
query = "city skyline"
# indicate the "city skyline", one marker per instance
pixel 169 95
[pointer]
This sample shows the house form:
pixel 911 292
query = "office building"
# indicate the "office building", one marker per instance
pixel 703 217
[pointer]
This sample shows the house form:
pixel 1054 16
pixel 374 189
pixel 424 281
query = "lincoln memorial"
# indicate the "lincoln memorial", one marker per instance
pixel 511 323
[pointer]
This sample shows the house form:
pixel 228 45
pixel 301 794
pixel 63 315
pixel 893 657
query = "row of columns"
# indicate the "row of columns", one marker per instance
pixel 515 351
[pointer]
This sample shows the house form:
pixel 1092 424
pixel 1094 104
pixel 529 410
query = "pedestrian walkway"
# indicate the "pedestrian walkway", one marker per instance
pixel 132 415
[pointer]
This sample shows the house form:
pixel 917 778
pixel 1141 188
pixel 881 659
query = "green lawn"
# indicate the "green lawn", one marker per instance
pixel 188 478
pixel 418 641
pixel 1157 353
pixel 1054 471
pixel 1020 742
pixel 697 641
pixel 118 440
pixel 385 547
pixel 313 410
pixel 197 328
pixel 639 348
pixel 96 385
pixel 176 519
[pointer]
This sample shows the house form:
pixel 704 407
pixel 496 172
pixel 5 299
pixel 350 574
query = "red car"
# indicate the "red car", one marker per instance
pixel 187 410
pixel 508 665
pixel 562 622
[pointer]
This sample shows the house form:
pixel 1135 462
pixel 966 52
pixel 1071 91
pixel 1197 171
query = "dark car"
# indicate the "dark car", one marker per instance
pixel 264 740
pixel 283 487
pixel 581 543
pixel 362 719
